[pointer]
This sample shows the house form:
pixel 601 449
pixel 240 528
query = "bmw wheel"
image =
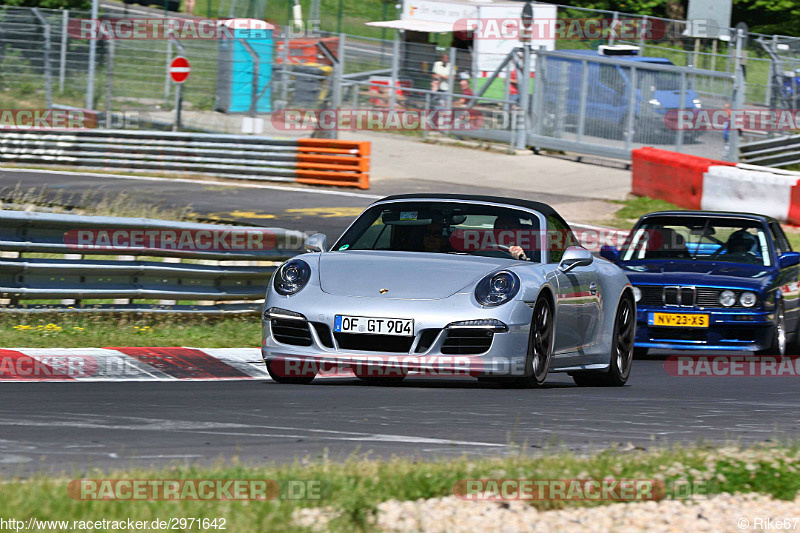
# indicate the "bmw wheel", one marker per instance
pixel 619 367
pixel 778 346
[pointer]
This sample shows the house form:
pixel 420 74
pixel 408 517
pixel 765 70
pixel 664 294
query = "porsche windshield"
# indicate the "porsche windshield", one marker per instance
pixel 444 227
pixel 692 238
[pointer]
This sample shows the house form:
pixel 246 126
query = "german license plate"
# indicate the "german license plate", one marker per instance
pixel 403 327
pixel 678 320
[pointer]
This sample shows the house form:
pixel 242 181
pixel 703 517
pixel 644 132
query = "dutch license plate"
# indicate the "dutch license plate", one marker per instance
pixel 403 327
pixel 678 320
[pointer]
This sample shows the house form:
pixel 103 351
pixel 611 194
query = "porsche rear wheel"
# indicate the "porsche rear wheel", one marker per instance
pixel 619 367
pixel 540 346
pixel 279 377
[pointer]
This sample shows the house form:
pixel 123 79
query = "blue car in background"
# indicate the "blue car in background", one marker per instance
pixel 711 281
pixel 608 93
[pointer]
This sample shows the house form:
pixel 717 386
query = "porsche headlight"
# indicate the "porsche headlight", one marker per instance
pixel 748 299
pixel 727 298
pixel 497 289
pixel 291 277
pixel 637 293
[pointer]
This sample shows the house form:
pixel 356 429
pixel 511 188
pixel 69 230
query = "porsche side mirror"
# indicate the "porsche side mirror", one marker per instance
pixel 316 243
pixel 610 253
pixel 789 259
pixel 575 256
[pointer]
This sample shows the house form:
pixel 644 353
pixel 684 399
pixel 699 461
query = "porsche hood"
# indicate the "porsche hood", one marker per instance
pixel 404 275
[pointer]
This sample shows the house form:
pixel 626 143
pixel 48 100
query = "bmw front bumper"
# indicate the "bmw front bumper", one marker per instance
pixel 735 329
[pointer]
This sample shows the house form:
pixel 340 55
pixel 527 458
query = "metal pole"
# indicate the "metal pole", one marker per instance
pixel 178 105
pixel 62 64
pixel 612 34
pixel 395 70
pixel 644 30
pixel 631 111
pixel 681 105
pixel 167 82
pixel 451 78
pixel 339 21
pixel 285 70
pixel 92 57
pixel 584 96
pixel 338 73
pixel 109 80
pixel 738 99
pixel 48 81
pixel 523 86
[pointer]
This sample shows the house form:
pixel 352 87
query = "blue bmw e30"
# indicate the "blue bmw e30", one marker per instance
pixel 712 281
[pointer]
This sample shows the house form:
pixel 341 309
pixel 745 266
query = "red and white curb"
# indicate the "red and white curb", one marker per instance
pixel 131 364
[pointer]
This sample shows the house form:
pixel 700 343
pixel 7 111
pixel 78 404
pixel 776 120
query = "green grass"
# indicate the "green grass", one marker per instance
pixel 355 487
pixel 64 330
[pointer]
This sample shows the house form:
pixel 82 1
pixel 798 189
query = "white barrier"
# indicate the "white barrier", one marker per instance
pixel 757 191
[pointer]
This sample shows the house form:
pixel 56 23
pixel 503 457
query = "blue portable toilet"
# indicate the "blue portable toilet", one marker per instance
pixel 236 65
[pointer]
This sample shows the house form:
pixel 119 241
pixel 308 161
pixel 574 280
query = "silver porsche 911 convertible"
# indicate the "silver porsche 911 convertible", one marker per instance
pixel 447 285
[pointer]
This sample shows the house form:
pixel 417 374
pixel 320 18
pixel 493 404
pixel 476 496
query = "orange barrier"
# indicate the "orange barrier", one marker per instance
pixel 676 178
pixel 331 162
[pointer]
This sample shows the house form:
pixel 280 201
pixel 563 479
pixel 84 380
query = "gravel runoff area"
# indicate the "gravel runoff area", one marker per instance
pixel 721 513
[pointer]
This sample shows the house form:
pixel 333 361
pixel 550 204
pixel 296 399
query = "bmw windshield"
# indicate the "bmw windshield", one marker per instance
pixel 704 239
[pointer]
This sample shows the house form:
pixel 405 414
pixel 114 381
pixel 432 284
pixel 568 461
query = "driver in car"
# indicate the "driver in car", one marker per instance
pixel 742 244
pixel 502 223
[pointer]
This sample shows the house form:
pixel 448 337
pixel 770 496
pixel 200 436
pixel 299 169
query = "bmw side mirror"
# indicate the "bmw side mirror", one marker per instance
pixel 610 253
pixel 789 259
pixel 575 256
pixel 316 243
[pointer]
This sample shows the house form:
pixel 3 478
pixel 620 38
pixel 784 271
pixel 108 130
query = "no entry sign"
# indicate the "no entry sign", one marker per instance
pixel 179 69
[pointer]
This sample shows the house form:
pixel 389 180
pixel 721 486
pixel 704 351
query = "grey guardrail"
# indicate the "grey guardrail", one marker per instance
pixel 240 156
pixel 133 271
pixel 778 152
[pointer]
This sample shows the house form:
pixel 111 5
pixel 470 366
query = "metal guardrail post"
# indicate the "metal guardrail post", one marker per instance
pixel 395 71
pixel 523 86
pixel 427 110
pixel 48 79
pixel 62 64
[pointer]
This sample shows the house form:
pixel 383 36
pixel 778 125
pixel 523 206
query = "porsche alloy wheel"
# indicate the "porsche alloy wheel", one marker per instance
pixel 540 345
pixel 619 367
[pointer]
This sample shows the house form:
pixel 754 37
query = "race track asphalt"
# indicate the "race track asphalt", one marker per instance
pixel 74 426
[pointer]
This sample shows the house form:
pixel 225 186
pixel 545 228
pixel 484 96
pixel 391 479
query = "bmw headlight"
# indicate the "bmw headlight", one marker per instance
pixel 748 299
pixel 291 277
pixel 727 298
pixel 637 293
pixel 497 289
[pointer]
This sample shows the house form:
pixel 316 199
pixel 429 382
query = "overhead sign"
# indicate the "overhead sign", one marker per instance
pixel 179 69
